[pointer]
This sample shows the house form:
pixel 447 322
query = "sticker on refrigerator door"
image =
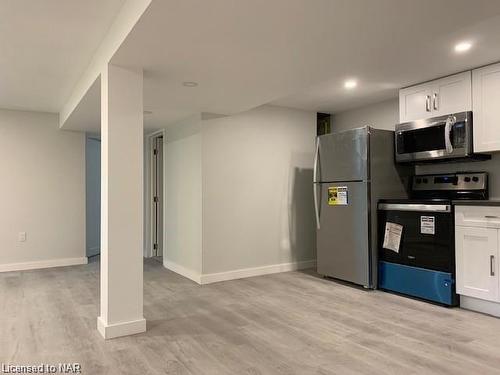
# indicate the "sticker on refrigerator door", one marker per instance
pixel 427 225
pixel 392 236
pixel 337 196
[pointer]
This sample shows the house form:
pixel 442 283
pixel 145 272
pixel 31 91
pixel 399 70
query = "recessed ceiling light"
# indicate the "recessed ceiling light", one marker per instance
pixel 350 84
pixel 190 84
pixel 463 47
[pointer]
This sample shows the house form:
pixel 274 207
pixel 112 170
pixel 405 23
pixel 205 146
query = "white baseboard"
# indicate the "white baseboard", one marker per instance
pixel 42 264
pixel 475 304
pixel 256 271
pixel 181 270
pixel 110 331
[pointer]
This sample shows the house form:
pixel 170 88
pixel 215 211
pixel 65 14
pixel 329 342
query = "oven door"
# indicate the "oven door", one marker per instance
pixel 442 137
pixel 427 237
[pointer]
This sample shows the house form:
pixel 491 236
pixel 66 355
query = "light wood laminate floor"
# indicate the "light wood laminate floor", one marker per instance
pixel 288 323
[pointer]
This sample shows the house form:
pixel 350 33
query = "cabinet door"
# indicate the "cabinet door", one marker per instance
pixel 415 103
pixel 452 94
pixel 437 98
pixel 476 254
pixel 486 102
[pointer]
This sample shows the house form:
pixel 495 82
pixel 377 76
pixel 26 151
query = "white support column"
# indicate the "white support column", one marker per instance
pixel 121 203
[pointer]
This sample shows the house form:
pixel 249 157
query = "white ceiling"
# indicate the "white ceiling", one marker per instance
pixel 45 47
pixel 243 54
pixel 401 59
pixel 298 52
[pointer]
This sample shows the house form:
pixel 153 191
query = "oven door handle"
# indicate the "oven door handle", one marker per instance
pixel 418 207
pixel 450 121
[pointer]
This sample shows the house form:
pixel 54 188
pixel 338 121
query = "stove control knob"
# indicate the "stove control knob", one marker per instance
pixel 475 179
pixel 467 179
pixel 418 180
pixel 425 180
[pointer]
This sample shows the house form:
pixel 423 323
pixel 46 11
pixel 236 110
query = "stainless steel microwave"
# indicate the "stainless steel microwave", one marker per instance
pixel 445 137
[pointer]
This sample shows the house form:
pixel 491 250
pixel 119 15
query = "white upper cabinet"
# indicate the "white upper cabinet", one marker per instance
pixel 415 103
pixel 452 94
pixel 486 104
pixel 440 97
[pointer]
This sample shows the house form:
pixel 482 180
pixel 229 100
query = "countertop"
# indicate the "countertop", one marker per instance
pixel 489 202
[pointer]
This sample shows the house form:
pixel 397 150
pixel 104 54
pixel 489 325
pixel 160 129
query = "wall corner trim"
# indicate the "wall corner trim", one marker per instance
pixel 42 264
pixel 256 271
pixel 110 331
pixel 183 271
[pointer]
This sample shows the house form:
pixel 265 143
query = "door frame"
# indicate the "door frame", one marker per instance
pixel 148 192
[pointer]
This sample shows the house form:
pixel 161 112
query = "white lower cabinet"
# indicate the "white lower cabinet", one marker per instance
pixel 477 255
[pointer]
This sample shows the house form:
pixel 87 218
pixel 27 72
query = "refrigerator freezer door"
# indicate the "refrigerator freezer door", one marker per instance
pixel 343 156
pixel 342 237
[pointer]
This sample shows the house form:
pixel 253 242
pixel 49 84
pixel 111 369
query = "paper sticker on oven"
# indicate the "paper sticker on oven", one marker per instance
pixel 427 225
pixel 337 196
pixel 392 236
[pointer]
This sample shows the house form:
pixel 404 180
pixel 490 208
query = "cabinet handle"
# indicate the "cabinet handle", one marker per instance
pixel 428 103
pixel 492 267
pixel 491 217
pixel 435 101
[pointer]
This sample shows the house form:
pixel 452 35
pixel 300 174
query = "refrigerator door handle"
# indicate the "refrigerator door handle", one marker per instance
pixel 315 184
pixel 316 159
pixel 316 208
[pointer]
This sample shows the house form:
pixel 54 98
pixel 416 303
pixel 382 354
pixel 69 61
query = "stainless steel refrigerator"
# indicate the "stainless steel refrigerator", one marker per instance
pixel 353 169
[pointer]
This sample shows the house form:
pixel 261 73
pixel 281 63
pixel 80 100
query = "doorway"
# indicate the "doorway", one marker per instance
pixel 157 197
pixel 93 195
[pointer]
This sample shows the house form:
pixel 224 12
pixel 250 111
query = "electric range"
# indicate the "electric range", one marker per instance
pixel 416 236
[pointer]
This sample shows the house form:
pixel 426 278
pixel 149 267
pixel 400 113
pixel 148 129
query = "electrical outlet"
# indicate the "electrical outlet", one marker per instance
pixel 21 237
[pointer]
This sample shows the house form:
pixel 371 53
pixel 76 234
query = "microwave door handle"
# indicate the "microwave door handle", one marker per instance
pixel 450 121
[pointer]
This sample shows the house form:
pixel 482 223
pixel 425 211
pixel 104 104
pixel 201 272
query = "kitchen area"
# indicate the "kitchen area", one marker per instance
pixel 415 211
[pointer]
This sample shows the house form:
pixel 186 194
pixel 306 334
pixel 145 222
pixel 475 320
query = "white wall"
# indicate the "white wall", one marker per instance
pixel 257 191
pixel 42 191
pixel 183 210
pixel 384 115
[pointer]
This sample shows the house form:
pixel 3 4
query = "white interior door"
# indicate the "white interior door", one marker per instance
pixel 157 196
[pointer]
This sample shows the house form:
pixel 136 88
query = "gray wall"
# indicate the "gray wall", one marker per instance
pixel 257 191
pixel 386 114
